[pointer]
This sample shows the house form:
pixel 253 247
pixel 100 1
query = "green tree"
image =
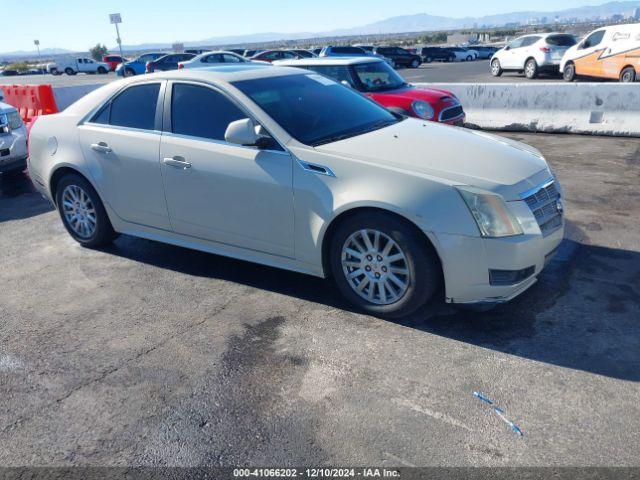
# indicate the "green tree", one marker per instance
pixel 98 52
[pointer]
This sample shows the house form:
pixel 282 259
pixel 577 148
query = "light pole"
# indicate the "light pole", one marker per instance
pixel 116 19
pixel 37 44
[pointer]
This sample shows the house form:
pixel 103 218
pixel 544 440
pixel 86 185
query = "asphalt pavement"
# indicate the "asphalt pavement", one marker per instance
pixel 148 354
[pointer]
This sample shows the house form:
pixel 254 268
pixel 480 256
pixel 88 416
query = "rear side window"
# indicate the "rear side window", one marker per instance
pixel 561 40
pixel 528 41
pixel 202 112
pixel 133 108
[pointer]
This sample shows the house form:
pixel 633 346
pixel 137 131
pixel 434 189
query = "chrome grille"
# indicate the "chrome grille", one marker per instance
pixel 451 113
pixel 546 205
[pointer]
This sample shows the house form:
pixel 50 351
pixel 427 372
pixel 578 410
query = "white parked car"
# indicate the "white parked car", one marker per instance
pixel 72 66
pixel 208 59
pixel 532 54
pixel 13 140
pixel 285 167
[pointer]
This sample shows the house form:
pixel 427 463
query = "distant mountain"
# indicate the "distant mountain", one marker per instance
pixel 45 52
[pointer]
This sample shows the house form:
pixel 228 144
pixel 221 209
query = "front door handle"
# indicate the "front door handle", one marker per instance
pixel 101 147
pixel 177 162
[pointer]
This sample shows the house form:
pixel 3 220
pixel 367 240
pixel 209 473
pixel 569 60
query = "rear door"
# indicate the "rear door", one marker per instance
pixel 121 145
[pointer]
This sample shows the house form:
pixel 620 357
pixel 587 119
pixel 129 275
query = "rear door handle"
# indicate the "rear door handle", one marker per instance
pixel 177 162
pixel 101 147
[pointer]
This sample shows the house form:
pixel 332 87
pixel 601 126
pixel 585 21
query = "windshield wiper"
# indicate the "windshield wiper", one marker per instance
pixel 370 128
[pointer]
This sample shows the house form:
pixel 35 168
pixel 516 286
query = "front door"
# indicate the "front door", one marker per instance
pixel 589 51
pixel 218 191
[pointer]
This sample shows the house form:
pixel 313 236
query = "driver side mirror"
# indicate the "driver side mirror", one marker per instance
pixel 244 132
pixel 346 84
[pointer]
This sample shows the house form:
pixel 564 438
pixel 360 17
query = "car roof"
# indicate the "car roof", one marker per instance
pixel 330 61
pixel 224 74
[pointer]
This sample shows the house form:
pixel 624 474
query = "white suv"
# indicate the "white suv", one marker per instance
pixel 532 54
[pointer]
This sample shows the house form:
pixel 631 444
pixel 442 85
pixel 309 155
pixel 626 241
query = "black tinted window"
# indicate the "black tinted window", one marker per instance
pixel 136 107
pixel 348 50
pixel 201 112
pixel 594 39
pixel 529 41
pixel 561 40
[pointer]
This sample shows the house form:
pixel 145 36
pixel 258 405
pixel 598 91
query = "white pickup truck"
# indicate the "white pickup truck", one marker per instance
pixel 73 65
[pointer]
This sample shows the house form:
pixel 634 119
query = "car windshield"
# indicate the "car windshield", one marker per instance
pixel 314 109
pixel 378 76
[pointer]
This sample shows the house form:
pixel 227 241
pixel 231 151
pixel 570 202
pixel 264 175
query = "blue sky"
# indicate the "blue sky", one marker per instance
pixel 78 24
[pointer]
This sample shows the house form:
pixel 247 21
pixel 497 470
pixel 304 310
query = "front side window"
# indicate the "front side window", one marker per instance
pixel 272 55
pixel 337 73
pixel 378 76
pixel 201 112
pixel 528 41
pixel 314 109
pixel 133 108
pixel 594 39
pixel 517 43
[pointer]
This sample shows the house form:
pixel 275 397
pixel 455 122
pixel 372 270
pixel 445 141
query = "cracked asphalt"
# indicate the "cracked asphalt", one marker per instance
pixel 147 354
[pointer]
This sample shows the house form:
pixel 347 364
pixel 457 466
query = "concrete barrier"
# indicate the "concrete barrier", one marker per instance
pixel 587 108
pixel 65 96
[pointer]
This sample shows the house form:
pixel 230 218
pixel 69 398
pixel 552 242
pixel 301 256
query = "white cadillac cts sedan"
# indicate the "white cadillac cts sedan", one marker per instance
pixel 287 168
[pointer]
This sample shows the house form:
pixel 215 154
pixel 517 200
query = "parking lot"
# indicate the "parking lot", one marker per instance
pixel 148 354
pixel 437 72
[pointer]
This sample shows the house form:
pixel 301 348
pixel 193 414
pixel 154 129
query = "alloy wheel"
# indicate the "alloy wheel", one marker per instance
pixel 375 267
pixel 79 211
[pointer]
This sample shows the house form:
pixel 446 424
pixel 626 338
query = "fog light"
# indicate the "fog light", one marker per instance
pixel 502 278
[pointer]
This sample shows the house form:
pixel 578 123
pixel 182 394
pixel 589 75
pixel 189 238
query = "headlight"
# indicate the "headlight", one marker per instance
pixel 490 213
pixel 422 109
pixel 15 121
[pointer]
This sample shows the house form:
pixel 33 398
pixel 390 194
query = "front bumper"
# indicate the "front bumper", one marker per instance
pixel 13 150
pixel 466 262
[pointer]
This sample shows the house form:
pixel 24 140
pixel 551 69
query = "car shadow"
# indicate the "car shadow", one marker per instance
pixel 19 198
pixel 582 313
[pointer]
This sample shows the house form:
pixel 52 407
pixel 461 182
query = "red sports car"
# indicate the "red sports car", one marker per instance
pixel 380 82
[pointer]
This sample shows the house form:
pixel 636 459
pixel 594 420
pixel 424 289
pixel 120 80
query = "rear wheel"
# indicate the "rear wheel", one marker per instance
pixel 496 68
pixel 82 212
pixel 102 70
pixel 69 71
pixel 382 266
pixel 628 75
pixel 469 58
pixel 452 58
pixel 415 63
pixel 569 72
pixel 129 72
pixel 531 69
pixel 428 59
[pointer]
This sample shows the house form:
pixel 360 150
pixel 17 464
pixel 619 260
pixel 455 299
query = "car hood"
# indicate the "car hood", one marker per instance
pixel 457 156
pixel 6 108
pixel 431 95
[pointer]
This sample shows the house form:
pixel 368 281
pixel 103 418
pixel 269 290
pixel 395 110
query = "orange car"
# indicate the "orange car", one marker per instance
pixel 610 52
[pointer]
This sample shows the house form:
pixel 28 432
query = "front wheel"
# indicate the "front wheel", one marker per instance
pixel 382 265
pixel 569 72
pixel 82 212
pixel 469 58
pixel 428 60
pixel 531 69
pixel 628 75
pixel 496 68
pixel 415 63
pixel 129 72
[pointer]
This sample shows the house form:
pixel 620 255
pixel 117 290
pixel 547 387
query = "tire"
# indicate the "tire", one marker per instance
pixel 102 71
pixel 54 71
pixel 469 58
pixel 496 68
pixel 129 72
pixel 428 60
pixel 69 71
pixel 420 263
pixel 628 75
pixel 569 72
pixel 415 63
pixel 96 233
pixel 451 59
pixel 531 69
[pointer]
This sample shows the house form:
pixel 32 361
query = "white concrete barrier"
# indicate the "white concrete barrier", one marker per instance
pixel 65 96
pixel 587 108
